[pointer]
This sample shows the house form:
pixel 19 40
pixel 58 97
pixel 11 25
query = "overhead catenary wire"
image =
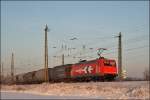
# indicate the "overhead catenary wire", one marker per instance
pixel 74 55
pixel 128 41
pixel 88 44
pixel 125 50
pixel 104 38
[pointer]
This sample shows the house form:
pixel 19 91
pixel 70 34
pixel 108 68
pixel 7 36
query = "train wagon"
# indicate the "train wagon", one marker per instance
pixel 61 73
pixel 31 77
pixel 19 79
pixel 39 76
pixel 28 77
pixel 98 69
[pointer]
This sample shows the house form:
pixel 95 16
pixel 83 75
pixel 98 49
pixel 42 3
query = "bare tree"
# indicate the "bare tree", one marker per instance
pixel 146 74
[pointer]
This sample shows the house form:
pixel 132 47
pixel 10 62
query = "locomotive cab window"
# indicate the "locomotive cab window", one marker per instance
pixel 109 63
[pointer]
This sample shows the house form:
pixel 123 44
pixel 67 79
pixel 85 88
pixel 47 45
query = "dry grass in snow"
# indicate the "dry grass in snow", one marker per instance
pixel 115 90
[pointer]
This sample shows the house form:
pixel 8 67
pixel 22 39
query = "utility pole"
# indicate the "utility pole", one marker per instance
pixel 46 57
pixel 62 59
pixel 12 67
pixel 1 74
pixel 2 70
pixel 62 48
pixel 120 56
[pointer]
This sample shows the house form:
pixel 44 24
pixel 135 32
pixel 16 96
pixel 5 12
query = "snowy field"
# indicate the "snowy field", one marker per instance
pixel 16 95
pixel 91 90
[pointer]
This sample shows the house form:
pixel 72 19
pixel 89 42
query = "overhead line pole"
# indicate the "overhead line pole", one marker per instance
pixel 62 54
pixel 1 73
pixel 62 59
pixel 46 57
pixel 2 70
pixel 120 56
pixel 12 67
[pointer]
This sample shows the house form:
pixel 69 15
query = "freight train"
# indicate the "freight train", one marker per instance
pixel 99 69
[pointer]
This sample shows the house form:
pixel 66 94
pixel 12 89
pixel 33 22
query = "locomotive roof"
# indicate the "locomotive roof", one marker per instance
pixel 63 65
pixel 87 61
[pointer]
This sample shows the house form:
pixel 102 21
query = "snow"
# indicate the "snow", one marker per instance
pixel 15 95
pixel 102 90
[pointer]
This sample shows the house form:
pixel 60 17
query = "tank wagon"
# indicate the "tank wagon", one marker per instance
pixel 100 69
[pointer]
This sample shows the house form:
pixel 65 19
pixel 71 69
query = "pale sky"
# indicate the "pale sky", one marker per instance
pixel 93 23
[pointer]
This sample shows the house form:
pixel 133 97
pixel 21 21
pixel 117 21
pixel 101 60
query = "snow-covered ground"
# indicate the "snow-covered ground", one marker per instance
pixel 98 90
pixel 16 95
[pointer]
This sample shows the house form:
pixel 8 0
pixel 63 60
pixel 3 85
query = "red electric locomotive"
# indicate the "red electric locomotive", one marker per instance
pixel 98 69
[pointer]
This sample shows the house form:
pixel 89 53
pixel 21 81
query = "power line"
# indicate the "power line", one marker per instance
pixel 101 38
pixel 137 39
pixel 107 37
pixel 130 49
pixel 90 57
pixel 125 50
pixel 134 28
